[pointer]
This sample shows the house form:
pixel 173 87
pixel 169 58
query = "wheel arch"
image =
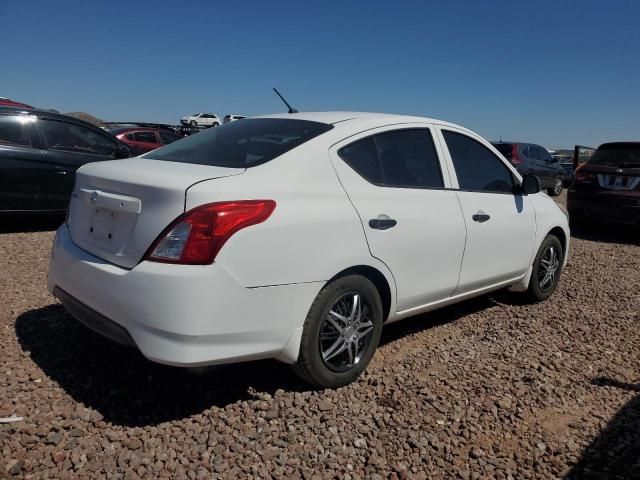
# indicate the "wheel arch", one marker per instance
pixel 562 236
pixel 379 281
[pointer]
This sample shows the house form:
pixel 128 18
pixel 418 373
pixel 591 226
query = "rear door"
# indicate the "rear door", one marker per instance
pixel 500 224
pixel 146 141
pixel 68 146
pixel 412 222
pixel 22 167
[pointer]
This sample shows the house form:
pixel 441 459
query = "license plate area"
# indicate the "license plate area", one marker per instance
pixel 618 182
pixel 103 224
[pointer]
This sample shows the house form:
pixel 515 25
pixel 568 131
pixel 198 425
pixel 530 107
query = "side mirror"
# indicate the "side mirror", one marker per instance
pixel 530 184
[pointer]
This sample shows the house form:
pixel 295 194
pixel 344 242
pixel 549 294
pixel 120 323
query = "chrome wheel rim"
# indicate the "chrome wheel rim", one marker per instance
pixel 346 332
pixel 558 188
pixel 548 268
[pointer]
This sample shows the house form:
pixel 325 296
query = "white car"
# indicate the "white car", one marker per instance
pixel 201 120
pixel 232 118
pixel 297 236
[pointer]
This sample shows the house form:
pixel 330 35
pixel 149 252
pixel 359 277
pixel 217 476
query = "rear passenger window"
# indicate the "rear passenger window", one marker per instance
pixel 400 158
pixel 477 168
pixel 363 158
pixel 147 137
pixel 14 131
pixel 71 137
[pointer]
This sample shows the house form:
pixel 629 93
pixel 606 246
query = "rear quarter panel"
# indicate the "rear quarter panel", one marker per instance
pixel 314 232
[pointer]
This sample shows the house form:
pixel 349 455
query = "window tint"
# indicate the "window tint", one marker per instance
pixel 505 149
pixel 362 156
pixel 401 158
pixel 14 131
pixel 476 167
pixel 76 138
pixel 543 154
pixel 532 152
pixel 622 155
pixel 148 137
pixel 168 137
pixel 241 144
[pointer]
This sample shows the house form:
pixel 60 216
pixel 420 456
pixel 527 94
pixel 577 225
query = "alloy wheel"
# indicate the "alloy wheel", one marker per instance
pixel 346 332
pixel 548 268
pixel 557 188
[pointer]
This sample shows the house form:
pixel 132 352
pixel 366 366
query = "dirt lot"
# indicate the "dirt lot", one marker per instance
pixel 487 389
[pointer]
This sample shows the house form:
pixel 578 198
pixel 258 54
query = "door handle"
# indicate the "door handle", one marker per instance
pixel 480 217
pixel 382 223
pixel 61 172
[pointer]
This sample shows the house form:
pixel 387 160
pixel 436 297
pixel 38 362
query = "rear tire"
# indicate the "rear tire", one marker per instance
pixel 547 268
pixel 557 188
pixel 336 347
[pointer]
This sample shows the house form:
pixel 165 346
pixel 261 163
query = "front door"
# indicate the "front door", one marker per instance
pixel 500 223
pixel 393 176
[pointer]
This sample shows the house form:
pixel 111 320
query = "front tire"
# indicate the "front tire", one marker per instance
pixel 556 189
pixel 547 268
pixel 341 332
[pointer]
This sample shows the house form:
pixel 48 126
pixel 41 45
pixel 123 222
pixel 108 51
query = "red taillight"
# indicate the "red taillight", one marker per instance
pixel 515 156
pixel 196 237
pixel 580 176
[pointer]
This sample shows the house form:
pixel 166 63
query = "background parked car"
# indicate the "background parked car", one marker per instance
pixel 201 120
pixel 532 159
pixel 143 140
pixel 233 118
pixel 607 186
pixel 40 152
pixel 566 162
pixel 5 102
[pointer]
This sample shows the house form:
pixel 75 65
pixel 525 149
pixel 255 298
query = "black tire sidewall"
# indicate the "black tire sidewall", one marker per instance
pixel 310 364
pixel 535 291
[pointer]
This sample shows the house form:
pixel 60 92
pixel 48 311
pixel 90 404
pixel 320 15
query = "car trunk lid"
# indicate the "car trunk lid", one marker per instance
pixel 118 208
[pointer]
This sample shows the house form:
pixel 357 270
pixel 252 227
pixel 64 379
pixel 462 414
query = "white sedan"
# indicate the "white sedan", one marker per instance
pixel 297 236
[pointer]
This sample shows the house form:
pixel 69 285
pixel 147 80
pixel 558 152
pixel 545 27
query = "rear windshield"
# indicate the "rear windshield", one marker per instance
pixel 617 155
pixel 505 149
pixel 241 144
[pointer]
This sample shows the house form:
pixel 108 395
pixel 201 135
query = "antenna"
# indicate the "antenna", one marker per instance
pixel 291 109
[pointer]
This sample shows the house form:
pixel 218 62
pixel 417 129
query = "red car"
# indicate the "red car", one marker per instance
pixel 10 103
pixel 142 140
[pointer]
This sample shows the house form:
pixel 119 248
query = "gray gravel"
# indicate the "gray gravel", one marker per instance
pixel 490 388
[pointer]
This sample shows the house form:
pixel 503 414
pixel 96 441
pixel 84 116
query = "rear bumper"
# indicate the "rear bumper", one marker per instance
pixel 605 207
pixel 179 314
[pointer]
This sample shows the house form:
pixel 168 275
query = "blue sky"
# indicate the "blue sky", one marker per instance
pixel 552 72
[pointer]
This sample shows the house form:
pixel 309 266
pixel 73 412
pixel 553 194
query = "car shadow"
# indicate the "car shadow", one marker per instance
pixel 129 390
pixel 29 223
pixel 615 452
pixel 435 318
pixel 608 233
pixel 126 388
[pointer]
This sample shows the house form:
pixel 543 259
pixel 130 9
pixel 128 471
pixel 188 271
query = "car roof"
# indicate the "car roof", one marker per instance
pixel 624 144
pixel 337 117
pixel 44 113
pixel 118 131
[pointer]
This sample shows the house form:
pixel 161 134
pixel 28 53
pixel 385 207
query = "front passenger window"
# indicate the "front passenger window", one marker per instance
pixel 477 168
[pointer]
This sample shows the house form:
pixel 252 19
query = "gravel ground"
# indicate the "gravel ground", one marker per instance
pixel 490 388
